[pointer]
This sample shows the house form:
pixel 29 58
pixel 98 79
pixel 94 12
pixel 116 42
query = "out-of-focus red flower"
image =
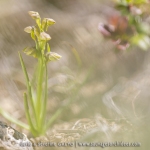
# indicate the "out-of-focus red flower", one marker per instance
pixel 117 29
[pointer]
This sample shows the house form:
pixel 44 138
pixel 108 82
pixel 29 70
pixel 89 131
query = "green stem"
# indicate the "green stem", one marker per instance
pixel 43 116
pixel 39 88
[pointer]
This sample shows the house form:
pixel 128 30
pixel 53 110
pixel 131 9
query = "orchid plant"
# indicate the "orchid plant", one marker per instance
pixel 35 99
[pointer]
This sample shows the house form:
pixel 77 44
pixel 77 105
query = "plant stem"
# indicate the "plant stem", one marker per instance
pixel 44 104
pixel 39 88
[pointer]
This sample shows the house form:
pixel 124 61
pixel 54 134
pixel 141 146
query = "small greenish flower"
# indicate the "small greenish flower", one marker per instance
pixel 28 29
pixel 31 51
pixel 34 15
pixel 47 22
pixel 52 56
pixel 44 36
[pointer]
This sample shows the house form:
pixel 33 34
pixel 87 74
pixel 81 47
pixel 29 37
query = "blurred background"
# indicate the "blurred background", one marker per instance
pixel 101 82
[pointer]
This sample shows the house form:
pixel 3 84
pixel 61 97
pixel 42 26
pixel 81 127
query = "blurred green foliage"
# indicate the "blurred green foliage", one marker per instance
pixel 130 27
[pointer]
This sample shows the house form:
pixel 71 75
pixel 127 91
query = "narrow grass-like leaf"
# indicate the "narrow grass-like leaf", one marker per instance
pixel 28 114
pixel 34 78
pixel 12 119
pixel 28 85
